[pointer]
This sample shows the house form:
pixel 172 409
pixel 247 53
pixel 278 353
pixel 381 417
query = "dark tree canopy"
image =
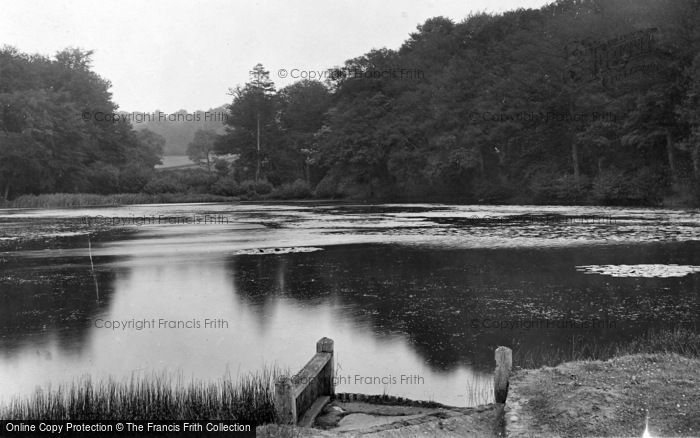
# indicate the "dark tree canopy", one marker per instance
pixel 580 101
pixel 49 142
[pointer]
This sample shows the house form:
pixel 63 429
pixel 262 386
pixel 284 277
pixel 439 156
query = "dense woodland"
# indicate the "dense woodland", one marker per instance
pixel 588 101
pixel 46 146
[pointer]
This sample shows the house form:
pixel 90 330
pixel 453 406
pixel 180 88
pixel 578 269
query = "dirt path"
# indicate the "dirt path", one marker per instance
pixel 611 398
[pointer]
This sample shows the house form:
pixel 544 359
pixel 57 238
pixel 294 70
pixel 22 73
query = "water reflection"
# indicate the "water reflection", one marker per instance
pixel 454 307
pixel 273 323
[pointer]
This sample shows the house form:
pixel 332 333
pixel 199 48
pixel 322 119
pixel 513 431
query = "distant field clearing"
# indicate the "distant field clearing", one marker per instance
pixel 176 161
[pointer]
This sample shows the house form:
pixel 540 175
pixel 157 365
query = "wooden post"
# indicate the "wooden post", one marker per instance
pixel 325 345
pixel 504 362
pixel 285 402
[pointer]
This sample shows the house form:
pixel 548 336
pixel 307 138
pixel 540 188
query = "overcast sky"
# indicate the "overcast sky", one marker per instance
pixel 175 54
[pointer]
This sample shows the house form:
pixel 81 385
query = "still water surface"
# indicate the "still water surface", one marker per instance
pixel 416 297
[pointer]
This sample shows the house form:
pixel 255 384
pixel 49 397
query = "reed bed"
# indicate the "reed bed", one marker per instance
pixel 683 341
pixel 156 397
pixel 57 200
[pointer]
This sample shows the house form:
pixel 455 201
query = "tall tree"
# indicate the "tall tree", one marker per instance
pixel 303 112
pixel 252 125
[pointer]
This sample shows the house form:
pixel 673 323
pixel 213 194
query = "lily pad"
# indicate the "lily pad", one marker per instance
pixel 644 271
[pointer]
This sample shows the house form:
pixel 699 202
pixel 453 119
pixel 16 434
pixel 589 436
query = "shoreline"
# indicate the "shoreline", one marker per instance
pixel 82 200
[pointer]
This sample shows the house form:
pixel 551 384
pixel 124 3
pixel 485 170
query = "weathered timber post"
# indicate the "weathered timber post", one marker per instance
pixel 504 363
pixel 285 401
pixel 325 345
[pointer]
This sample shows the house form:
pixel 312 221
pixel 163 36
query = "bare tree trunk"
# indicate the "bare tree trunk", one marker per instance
pixel 7 191
pixel 257 168
pixel 574 151
pixel 482 166
pixel 671 158
pixel 574 158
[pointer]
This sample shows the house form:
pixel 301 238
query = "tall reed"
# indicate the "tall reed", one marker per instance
pixel 155 397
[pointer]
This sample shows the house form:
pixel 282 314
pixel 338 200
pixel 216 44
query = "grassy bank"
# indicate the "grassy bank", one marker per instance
pixel 683 341
pixel 57 200
pixel 157 397
pixel 615 390
pixel 616 397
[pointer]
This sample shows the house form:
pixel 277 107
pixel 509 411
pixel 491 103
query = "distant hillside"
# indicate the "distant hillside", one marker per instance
pixel 178 128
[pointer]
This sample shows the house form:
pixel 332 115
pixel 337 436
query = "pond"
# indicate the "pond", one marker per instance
pixel 415 296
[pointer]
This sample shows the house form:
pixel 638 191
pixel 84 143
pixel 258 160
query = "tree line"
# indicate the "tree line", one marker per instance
pixel 49 139
pixel 580 101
